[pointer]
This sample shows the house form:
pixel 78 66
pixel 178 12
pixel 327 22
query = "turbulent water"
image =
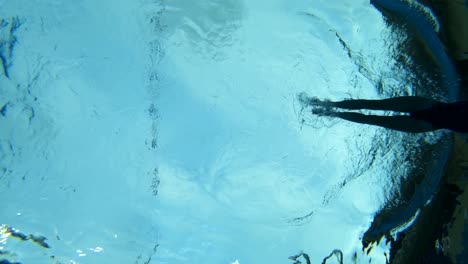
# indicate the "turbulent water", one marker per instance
pixel 170 131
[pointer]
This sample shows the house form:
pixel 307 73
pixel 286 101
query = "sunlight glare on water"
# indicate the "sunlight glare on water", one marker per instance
pixel 171 131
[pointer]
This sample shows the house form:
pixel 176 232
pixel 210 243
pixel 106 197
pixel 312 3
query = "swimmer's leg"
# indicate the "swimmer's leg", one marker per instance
pixel 400 123
pixel 398 104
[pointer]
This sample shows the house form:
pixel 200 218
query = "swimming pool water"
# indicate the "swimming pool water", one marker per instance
pixel 170 132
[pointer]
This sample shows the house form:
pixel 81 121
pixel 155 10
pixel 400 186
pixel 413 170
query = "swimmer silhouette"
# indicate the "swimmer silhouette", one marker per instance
pixel 422 114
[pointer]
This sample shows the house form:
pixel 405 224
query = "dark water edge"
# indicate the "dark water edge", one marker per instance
pixel 418 24
pixel 437 234
pixel 425 240
pixel 414 190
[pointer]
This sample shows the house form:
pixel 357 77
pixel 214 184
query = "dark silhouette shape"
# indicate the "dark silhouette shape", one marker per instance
pixel 337 253
pixel 423 114
pixel 301 254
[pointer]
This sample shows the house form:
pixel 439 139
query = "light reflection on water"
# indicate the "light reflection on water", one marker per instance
pixel 239 174
pixel 348 67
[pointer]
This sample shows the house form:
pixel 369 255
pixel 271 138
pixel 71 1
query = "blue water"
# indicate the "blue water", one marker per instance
pixel 170 132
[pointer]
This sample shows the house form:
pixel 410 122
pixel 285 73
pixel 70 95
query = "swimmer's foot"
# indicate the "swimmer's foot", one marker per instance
pixel 323 111
pixel 306 100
